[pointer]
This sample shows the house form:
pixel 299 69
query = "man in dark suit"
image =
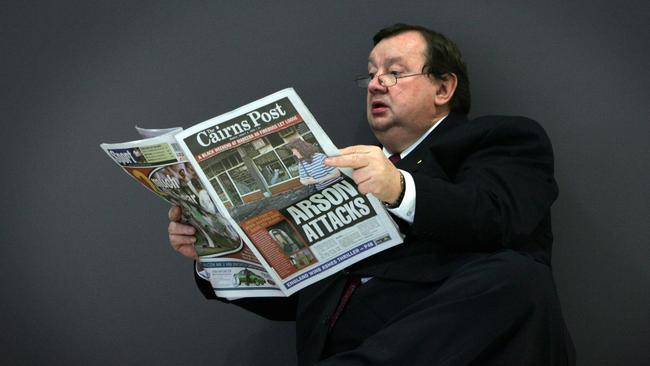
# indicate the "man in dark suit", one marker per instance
pixel 472 283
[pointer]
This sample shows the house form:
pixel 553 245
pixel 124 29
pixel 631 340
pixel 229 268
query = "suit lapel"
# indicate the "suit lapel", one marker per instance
pixel 422 159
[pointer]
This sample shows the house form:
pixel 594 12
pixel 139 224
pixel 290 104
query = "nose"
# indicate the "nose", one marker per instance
pixel 374 86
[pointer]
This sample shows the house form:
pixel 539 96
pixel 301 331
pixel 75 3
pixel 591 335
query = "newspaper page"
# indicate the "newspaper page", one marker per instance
pixel 263 166
pixel 159 165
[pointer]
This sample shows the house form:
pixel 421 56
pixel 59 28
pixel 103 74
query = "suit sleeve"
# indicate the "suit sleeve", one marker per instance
pixel 499 194
pixel 272 308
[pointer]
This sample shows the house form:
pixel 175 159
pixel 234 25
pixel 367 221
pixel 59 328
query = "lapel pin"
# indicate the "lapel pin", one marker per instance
pixel 419 161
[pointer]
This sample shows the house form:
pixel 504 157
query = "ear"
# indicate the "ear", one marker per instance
pixel 446 87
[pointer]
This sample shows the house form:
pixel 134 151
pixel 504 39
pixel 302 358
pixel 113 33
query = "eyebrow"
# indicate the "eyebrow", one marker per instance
pixel 389 61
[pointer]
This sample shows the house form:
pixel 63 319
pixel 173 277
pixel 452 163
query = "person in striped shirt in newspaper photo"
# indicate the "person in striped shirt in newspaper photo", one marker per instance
pixel 311 166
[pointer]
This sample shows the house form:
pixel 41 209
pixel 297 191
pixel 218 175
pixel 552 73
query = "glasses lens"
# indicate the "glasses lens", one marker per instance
pixel 387 80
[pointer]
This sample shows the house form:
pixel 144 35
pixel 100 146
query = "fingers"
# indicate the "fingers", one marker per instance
pixel 354 161
pixel 360 176
pixel 186 249
pixel 358 149
pixel 181 236
pixel 372 171
pixel 355 157
pixel 176 228
pixel 178 241
pixel 175 213
pixel 386 189
pixel 364 188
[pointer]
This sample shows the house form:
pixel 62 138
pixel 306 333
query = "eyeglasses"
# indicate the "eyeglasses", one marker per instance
pixel 386 80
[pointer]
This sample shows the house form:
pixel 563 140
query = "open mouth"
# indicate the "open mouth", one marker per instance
pixel 378 107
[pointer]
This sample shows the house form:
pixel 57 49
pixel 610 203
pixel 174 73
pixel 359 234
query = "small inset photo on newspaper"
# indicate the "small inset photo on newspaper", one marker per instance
pixel 269 172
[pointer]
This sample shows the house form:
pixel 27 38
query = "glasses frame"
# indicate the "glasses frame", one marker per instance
pixel 386 79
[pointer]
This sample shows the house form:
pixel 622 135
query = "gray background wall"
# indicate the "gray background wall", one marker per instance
pixel 86 272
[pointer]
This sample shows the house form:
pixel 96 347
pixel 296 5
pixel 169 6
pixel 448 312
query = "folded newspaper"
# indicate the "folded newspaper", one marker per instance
pixel 270 217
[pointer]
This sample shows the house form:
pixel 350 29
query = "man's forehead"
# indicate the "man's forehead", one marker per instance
pixel 399 48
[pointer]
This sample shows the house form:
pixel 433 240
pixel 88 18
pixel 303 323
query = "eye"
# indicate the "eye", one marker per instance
pixel 395 73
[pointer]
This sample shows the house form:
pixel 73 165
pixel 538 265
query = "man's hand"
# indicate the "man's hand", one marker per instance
pixel 181 236
pixel 373 172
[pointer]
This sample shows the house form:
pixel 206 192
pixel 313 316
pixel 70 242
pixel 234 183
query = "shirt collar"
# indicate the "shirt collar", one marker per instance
pixel 406 151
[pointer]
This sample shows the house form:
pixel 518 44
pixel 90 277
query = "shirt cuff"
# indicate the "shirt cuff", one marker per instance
pixel 406 209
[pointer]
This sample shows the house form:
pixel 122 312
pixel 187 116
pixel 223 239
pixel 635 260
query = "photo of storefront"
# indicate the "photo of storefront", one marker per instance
pixel 258 169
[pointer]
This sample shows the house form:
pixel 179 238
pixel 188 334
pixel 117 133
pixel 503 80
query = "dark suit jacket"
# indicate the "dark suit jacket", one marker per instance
pixel 481 185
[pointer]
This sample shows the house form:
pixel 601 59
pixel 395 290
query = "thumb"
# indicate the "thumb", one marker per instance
pixel 175 213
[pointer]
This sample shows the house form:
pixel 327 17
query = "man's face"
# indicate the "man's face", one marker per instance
pixel 409 104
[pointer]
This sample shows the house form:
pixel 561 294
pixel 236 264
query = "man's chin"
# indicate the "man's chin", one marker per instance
pixel 379 126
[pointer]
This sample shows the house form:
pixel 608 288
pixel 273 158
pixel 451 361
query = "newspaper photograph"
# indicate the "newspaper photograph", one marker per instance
pixel 263 166
pixel 160 166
